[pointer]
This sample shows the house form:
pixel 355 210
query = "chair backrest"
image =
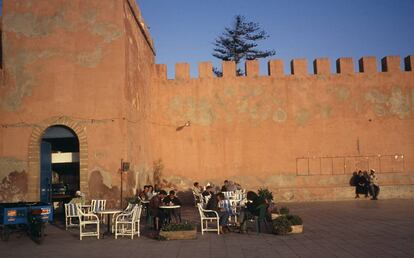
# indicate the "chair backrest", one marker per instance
pixel 227 205
pixel 129 207
pixel 79 211
pixel 98 205
pixel 228 194
pixel 201 210
pixel 206 199
pixel 136 213
pixel 71 210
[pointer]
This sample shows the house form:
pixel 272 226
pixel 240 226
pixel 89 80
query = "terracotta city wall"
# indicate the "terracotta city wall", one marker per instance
pixel 85 65
pixel 302 135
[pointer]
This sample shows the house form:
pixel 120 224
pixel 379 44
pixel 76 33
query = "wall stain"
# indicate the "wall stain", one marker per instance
pixel 24 80
pixel 326 111
pixel 341 92
pixel 279 116
pixel 109 32
pixel 302 117
pixel 9 164
pixel 31 25
pixel 89 59
pixel 400 103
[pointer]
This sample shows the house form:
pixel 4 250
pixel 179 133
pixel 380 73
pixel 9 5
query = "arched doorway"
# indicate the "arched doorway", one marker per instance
pixel 59 164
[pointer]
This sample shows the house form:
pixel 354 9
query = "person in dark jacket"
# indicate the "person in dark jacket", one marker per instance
pixel 360 183
pixel 172 199
pixel 155 211
pixel 255 206
pixel 213 204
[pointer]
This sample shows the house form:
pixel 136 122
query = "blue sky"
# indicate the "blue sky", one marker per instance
pixel 183 30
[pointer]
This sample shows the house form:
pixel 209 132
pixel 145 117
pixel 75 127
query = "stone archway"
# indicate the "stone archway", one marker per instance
pixel 33 193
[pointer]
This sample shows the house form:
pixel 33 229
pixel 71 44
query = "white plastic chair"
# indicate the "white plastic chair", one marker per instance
pixel 197 198
pixel 86 219
pixel 98 205
pixel 206 219
pixel 70 214
pixel 127 224
pixel 205 200
pixel 231 209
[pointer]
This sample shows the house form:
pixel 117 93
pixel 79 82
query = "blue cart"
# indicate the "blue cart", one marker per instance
pixel 27 216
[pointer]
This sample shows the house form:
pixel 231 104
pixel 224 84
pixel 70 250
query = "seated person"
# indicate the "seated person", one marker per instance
pixel 197 191
pixel 144 193
pixel 231 186
pixel 208 193
pixel 172 199
pixel 213 204
pixel 150 192
pixel 224 187
pixel 155 211
pixel 79 198
pixel 255 206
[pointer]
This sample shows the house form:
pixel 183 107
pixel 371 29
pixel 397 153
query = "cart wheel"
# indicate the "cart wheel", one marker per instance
pixel 38 233
pixel 5 233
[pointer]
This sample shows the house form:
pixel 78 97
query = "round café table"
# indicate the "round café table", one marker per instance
pixel 109 212
pixel 169 208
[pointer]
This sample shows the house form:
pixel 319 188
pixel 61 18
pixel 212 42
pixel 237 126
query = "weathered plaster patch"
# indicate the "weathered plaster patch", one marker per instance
pixel 207 114
pixel 229 91
pixel 106 176
pixel 89 59
pixel 17 67
pixel 279 116
pixel 31 25
pixel 302 117
pixel 9 164
pixel 109 32
pixel 243 106
pixel 341 92
pixel 400 104
pixel 412 100
pixel 13 187
pixel 99 190
pixel 376 97
pixel 326 111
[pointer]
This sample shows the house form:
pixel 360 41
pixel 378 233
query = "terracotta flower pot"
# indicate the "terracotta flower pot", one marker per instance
pixel 297 229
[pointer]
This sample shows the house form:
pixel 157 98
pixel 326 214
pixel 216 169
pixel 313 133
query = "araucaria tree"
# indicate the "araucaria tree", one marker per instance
pixel 239 42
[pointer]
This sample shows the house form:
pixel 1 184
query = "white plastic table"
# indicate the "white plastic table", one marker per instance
pixel 109 212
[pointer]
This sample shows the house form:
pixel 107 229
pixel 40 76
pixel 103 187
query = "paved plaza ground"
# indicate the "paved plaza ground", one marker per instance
pixel 360 228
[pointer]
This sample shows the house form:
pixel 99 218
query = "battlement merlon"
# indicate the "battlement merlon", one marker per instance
pixel 298 67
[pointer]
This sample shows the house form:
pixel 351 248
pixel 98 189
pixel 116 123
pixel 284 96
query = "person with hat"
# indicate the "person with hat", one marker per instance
pixel 373 183
pixel 79 198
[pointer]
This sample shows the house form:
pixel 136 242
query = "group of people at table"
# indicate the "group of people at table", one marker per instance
pixel 251 206
pixel 161 207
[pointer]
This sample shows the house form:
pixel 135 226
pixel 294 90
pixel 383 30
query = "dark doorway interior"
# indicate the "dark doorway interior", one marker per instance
pixel 59 165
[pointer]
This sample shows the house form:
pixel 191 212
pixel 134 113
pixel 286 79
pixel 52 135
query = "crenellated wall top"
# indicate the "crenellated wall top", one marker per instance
pixel 298 67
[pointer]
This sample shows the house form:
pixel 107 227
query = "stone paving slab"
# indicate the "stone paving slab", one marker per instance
pixel 360 228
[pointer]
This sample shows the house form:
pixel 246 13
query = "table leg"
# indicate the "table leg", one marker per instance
pixel 109 224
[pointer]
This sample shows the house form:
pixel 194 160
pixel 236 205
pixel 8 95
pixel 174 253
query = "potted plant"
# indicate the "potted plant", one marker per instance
pixel 265 194
pixel 178 231
pixel 281 225
pixel 284 211
pixel 297 223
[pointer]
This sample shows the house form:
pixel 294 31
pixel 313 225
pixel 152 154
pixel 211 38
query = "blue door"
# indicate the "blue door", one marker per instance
pixel 45 172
